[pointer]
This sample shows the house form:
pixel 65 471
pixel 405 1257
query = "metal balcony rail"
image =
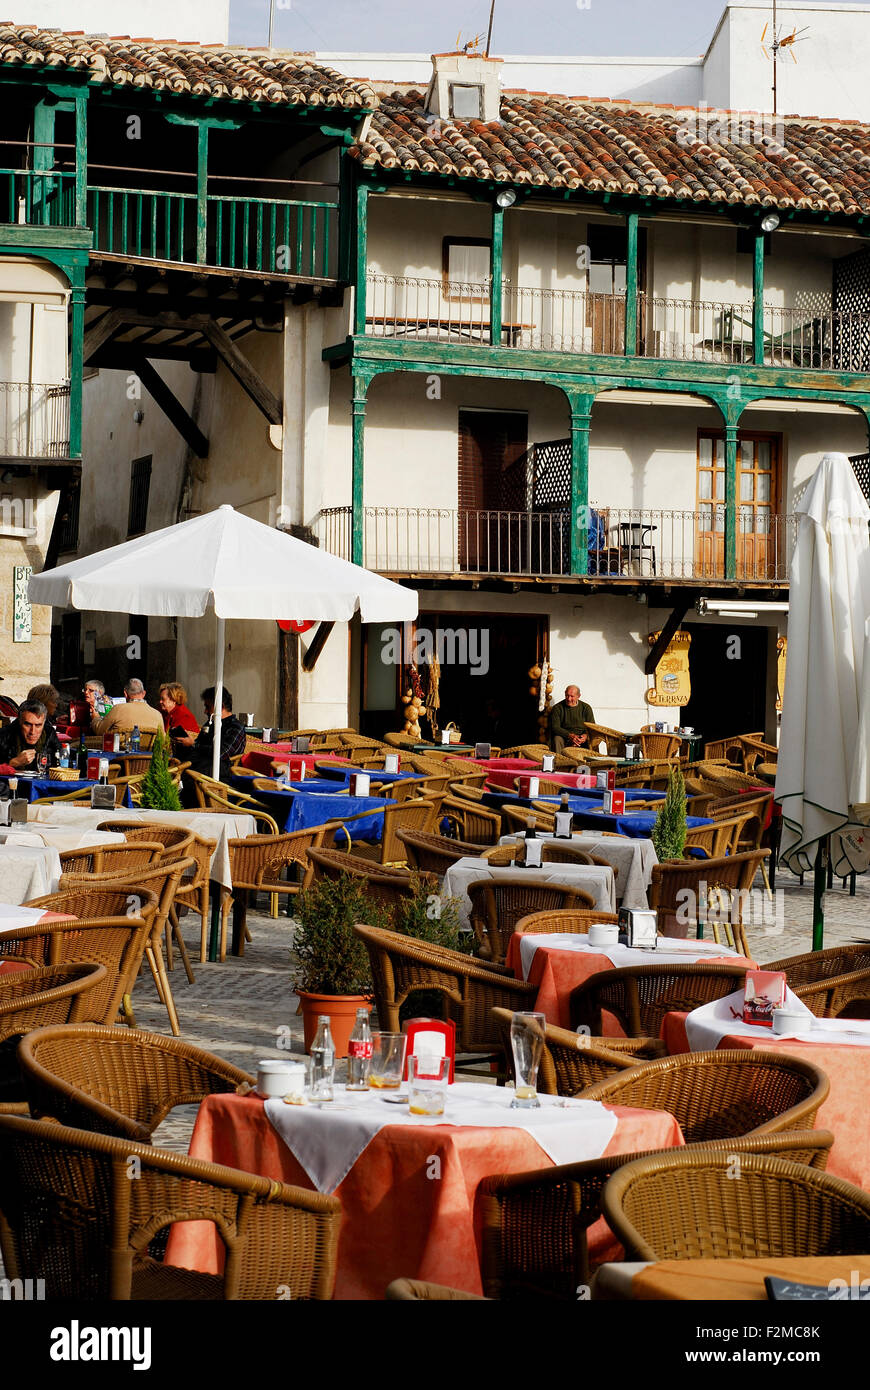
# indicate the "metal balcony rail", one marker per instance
pixel 447 311
pixel 563 320
pixel 34 419
pixel 622 543
pixel 37 198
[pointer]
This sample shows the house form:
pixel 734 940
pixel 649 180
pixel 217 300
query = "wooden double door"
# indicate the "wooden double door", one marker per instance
pixel 759 540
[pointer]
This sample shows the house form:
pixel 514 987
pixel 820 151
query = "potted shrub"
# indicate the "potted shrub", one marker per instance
pixel 428 915
pixel 158 791
pixel 332 963
pixel 669 840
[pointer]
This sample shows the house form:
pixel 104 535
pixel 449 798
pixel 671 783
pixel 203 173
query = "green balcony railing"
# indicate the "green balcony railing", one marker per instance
pixel 37 197
pixel 143 222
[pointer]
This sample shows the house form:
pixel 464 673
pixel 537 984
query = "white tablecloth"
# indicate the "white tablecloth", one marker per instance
pixel 670 951
pixel 11 917
pixel 632 859
pixel 211 825
pixel 58 838
pixel 592 878
pixel 708 1025
pixel 28 871
pixel 328 1141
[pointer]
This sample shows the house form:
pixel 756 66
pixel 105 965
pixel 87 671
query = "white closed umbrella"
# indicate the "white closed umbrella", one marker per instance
pixel 227 563
pixel 822 722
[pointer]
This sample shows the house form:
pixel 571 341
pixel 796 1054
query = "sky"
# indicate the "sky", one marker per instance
pixel 616 28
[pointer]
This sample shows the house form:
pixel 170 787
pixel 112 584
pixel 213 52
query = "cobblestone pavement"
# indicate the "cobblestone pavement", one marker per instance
pixel 235 1009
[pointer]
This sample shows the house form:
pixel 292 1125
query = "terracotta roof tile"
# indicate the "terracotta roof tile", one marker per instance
pixel 617 147
pixel 215 71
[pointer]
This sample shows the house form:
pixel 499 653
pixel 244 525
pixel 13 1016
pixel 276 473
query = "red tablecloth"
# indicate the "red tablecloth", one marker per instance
pixel 9 964
pixel 401 1218
pixel 846 1111
pixel 261 759
pixel 557 973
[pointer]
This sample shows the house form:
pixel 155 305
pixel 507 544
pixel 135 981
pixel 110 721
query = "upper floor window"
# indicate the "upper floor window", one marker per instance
pixel 466 101
pixel 466 265
pixel 140 486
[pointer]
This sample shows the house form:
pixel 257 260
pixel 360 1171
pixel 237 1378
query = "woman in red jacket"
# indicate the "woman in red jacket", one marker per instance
pixel 176 715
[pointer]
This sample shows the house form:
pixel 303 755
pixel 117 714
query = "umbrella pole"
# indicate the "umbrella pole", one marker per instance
pixel 218 700
pixel 819 882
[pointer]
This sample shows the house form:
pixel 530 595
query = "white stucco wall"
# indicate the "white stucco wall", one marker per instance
pixel 203 21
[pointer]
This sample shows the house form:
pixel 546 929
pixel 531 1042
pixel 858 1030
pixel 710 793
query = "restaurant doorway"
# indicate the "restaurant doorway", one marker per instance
pixel 728 670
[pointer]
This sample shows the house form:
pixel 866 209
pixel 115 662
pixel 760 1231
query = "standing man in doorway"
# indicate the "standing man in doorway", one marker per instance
pixel 568 721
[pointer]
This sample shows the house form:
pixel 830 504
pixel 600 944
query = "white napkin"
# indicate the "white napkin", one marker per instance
pixel 328 1141
pixel 11 918
pixel 707 1026
pixel 677 952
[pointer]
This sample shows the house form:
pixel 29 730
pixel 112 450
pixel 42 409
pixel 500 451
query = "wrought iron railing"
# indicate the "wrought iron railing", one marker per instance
pixel 622 543
pixel 39 198
pixel 34 419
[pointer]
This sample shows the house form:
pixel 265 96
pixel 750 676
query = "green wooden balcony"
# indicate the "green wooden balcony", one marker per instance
pixel 37 198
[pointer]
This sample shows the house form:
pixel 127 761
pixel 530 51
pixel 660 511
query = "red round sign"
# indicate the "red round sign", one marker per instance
pixel 292 625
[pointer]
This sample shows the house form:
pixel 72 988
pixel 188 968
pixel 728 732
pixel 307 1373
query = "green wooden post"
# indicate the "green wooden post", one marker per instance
pixel 362 229
pixel 201 192
pixel 581 415
pixel 76 275
pixel 730 500
pixel 758 300
pixel 37 201
pixel 495 292
pixel 631 285
pixel 360 391
pixel 81 161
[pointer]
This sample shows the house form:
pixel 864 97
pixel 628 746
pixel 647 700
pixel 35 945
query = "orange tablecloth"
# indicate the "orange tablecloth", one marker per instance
pixel 741 1279
pixel 408 1201
pixel 557 973
pixel 846 1112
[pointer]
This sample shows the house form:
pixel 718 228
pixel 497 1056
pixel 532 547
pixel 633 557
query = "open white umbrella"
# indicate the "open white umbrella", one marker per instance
pixel 229 564
pixel 829 603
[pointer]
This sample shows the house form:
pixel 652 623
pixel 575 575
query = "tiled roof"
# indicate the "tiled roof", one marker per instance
pixel 559 143
pixel 187 69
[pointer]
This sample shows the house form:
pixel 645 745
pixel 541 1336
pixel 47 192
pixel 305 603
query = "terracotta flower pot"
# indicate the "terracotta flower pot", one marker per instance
pixel 341 1009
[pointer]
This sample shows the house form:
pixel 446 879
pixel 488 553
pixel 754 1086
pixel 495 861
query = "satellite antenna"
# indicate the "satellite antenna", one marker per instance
pixel 778 45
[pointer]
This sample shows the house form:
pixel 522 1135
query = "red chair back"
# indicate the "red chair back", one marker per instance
pixel 446 1029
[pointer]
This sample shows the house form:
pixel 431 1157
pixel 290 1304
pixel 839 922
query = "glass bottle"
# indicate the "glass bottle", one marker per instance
pixel 564 826
pixel 135 740
pixel 359 1053
pixel 322 1053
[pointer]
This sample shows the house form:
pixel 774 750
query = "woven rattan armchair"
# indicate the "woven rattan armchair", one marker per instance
pixel 719 1095
pixel 31 998
pixel 832 982
pixel 473 823
pixel 116 940
pixel 383 885
pixel 564 919
pixel 407 815
pixel 217 796
pixel 118 1081
pixel 402 966
pixel 256 864
pixel 775 1209
pixel 176 841
pixel 721 837
pixel 108 859
pixel 612 737
pixel 521 817
pixel 535 1224
pixel 639 996
pixel 552 852
pixel 676 884
pixel 434 853
pixel 497 904
pixel 572 1061
pixel 70 1215
pixel 192 892
pixel 656 746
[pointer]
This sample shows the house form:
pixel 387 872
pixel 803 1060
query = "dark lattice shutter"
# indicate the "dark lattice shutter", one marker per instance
pixel 851 318
pixel 861 465
pixel 490 444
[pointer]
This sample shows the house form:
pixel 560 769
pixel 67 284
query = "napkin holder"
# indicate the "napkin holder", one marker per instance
pixel 763 992
pixel 483 751
pixel 360 784
pixel 640 927
pixel 548 762
pixel 300 744
pixel 614 803
pixel 296 769
pixel 392 762
pixel 528 787
pixel 103 797
pixel 17 814
pixel 530 854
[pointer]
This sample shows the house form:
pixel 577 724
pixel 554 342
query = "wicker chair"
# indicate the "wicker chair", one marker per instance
pixel 256 864
pixel 102 934
pixel 776 1210
pixel 719 1095
pixel 572 1061
pixel 535 1224
pixel 568 919
pixel 174 839
pixel 29 999
pixel 639 996
pixel 434 853
pixel 383 885
pixel 217 796
pixel 677 883
pixel 552 852
pixel 656 746
pixel 408 815
pixel 831 982
pixel 402 966
pixel 416 1291
pixel 108 859
pixel 473 823
pixel 114 1081
pixel 163 880
pixel 498 904
pixel 192 892
pixel 599 733
pixel 520 817
pixel 70 1215
pixel 721 838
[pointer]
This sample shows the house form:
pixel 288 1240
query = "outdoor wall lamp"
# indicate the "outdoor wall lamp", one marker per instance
pixel 770 222
pixel 506 198
pixel 738 608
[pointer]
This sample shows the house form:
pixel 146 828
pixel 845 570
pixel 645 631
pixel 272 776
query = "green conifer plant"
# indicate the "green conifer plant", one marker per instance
pixel 669 832
pixel 159 792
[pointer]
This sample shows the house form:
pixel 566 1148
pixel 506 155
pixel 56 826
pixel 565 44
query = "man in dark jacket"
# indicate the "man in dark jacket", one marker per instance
pixel 27 737
pixel 568 721
pixel 233 737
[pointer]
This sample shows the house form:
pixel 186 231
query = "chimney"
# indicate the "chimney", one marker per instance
pixel 464 87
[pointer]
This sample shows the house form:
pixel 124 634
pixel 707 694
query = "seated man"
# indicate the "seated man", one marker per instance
pixel 123 719
pixel 233 738
pixel 27 737
pixel 568 721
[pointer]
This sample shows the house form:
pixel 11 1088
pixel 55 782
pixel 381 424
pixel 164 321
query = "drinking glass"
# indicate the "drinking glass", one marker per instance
pixel 388 1061
pixel 427 1084
pixel 527 1045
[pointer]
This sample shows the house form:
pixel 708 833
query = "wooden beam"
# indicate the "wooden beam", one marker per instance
pixel 658 650
pixel 318 641
pixel 288 679
pixel 125 357
pixel 172 408
pixel 101 332
pixel 249 380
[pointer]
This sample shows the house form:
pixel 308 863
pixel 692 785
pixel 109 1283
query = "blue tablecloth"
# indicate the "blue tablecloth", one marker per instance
pixel 342 774
pixel 31 788
pixel 636 824
pixel 298 809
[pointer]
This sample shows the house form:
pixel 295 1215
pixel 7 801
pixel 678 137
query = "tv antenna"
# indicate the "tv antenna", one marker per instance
pixel 778 45
pixel 470 46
